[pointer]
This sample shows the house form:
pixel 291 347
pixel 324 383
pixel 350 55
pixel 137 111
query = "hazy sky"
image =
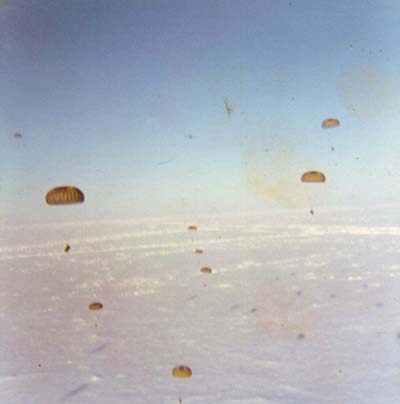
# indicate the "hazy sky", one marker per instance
pixel 125 100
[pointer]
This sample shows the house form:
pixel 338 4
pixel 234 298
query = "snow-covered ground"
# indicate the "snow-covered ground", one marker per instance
pixel 299 309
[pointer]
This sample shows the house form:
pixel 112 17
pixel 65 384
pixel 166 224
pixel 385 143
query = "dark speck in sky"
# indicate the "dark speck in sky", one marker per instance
pixel 166 161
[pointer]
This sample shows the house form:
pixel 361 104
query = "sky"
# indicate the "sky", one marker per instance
pixel 125 100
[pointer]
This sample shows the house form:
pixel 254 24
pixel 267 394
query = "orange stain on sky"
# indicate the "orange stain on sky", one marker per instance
pixel 275 176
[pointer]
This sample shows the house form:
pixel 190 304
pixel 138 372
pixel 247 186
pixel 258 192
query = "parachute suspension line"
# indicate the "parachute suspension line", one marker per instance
pixel 97 320
pixel 312 177
pixel 310 204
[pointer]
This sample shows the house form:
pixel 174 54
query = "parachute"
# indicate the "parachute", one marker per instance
pixel 181 371
pixel 198 251
pixel 313 176
pixel 95 306
pixel 330 123
pixel 206 270
pixel 192 227
pixel 17 135
pixel 67 247
pixel 65 195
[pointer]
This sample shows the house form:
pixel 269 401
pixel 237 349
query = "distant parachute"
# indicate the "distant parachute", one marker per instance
pixel 192 227
pixel 95 306
pixel 313 176
pixel 181 371
pixel 330 123
pixel 206 270
pixel 198 251
pixel 65 195
pixel 67 247
pixel 17 135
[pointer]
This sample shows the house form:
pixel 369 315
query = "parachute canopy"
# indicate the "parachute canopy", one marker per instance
pixel 192 227
pixel 198 251
pixel 313 176
pixel 65 195
pixel 206 270
pixel 330 123
pixel 181 371
pixel 67 247
pixel 95 306
pixel 17 135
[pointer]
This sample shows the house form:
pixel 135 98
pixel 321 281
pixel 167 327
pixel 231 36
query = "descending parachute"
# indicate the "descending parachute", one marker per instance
pixel 198 251
pixel 65 195
pixel 67 247
pixel 330 123
pixel 17 135
pixel 192 227
pixel 95 306
pixel 313 176
pixel 206 270
pixel 181 371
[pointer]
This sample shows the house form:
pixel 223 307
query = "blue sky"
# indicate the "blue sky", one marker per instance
pixel 125 100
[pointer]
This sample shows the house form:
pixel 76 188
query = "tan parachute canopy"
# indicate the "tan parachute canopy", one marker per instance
pixel 198 251
pixel 330 123
pixel 67 247
pixel 65 195
pixel 181 371
pixel 313 176
pixel 95 306
pixel 206 270
pixel 192 227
